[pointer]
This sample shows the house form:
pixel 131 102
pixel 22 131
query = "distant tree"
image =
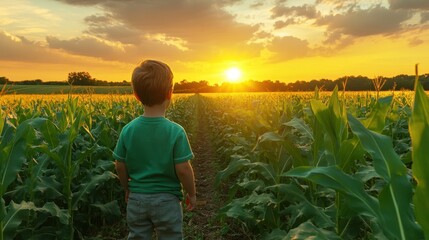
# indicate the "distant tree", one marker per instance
pixel 4 80
pixel 195 87
pixel 80 78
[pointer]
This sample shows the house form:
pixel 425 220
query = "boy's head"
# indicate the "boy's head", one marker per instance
pixel 152 82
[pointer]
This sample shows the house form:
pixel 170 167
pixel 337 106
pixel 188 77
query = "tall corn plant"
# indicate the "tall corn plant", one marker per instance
pixel 419 131
pixel 392 207
pixel 395 197
pixel 331 146
pixel 62 153
pixel 62 148
pixel 13 150
pixel 271 199
pixel 258 207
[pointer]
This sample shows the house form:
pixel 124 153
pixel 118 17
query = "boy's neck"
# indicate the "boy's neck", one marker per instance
pixel 156 110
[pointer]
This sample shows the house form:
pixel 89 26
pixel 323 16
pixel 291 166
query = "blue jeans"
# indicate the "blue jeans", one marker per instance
pixel 161 212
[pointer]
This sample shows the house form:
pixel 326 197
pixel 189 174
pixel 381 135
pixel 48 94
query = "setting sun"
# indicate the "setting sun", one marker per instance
pixel 233 74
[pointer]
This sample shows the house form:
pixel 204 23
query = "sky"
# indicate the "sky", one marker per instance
pixel 285 40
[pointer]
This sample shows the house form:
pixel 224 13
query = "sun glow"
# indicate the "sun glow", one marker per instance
pixel 233 75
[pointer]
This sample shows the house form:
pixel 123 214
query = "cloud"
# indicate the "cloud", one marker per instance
pixel 108 28
pixel 257 4
pixel 282 24
pixel 288 47
pixel 409 4
pixel 415 41
pixel 338 4
pixel 337 39
pixel 18 48
pixel 365 22
pixel 306 11
pixel 424 17
pixel 193 21
pixel 86 46
pixel 201 30
pixel 83 2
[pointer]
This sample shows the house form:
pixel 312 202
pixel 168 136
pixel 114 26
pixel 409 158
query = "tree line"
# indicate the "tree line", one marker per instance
pixel 351 83
pixel 74 78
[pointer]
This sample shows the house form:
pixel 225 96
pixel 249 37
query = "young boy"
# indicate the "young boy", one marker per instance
pixel 152 159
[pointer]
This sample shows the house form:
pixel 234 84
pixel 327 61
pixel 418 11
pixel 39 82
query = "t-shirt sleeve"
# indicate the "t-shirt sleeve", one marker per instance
pixel 182 148
pixel 120 151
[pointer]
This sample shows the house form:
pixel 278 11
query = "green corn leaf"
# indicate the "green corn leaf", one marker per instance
pixel 50 187
pixel 291 149
pixel 333 124
pixel 251 185
pixel 109 209
pixel 2 209
pixel 86 187
pixel 307 230
pixel 295 152
pixel 45 127
pixel 419 131
pixel 350 151
pixel 14 216
pixel 276 234
pixel 301 126
pixel 386 161
pixel 395 198
pixel 14 154
pixel 7 135
pixel 292 194
pixel 339 114
pixel 365 173
pixel 105 165
pixel 322 114
pixel 17 212
pixel 265 170
pixel 318 146
pixel 55 211
pixel 332 177
pixel 252 208
pixel 377 118
pixel 268 137
pixel 327 124
pixel 237 211
pixel 234 166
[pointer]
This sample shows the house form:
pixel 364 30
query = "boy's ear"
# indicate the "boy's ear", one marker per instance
pixel 135 95
pixel 170 94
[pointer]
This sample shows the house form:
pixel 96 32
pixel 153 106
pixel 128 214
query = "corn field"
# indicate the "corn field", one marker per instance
pixel 296 165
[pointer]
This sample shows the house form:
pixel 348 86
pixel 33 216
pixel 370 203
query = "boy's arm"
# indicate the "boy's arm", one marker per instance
pixel 185 173
pixel 121 169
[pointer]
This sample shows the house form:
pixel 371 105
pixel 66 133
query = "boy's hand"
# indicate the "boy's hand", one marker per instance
pixel 191 202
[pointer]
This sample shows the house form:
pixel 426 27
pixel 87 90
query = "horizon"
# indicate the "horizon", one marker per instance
pixel 287 41
pixel 243 82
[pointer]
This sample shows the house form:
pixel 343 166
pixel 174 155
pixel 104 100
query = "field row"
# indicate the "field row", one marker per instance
pixel 325 166
pixel 297 165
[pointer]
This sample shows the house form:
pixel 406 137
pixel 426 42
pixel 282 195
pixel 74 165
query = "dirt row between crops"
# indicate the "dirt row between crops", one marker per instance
pixel 202 222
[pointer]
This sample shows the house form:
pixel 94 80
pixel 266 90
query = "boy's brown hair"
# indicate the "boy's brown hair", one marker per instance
pixel 152 82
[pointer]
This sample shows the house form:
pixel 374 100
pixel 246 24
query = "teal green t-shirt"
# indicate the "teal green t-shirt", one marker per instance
pixel 150 147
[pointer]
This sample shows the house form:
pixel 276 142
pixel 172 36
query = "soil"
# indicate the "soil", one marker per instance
pixel 202 223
